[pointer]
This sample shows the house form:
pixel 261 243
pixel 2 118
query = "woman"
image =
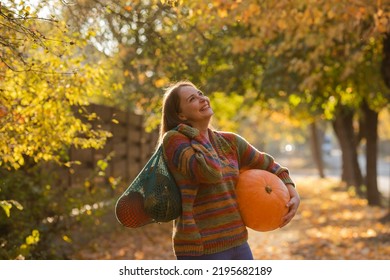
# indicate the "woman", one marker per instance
pixel 206 164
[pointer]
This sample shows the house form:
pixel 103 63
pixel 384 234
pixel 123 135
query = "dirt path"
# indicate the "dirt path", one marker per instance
pixel 331 224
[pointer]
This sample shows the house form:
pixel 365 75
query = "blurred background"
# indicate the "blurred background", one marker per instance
pixel 81 85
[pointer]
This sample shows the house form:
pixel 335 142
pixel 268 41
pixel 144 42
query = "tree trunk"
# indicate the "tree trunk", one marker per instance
pixel 316 149
pixel 343 127
pixel 371 135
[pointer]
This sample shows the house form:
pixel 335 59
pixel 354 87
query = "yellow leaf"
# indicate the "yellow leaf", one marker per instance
pixel 160 82
pixel 33 238
pixel 87 184
pixel 111 180
pixel 21 160
pixel 282 24
pixel 66 239
pixel 331 14
pixel 222 13
pixel 6 207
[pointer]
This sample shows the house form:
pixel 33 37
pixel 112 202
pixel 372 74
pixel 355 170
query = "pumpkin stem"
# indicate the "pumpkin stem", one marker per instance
pixel 268 189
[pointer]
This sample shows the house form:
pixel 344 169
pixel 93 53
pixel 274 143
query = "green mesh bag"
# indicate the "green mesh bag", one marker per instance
pixel 152 197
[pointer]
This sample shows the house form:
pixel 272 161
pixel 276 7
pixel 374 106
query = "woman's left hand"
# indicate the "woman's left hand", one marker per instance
pixel 292 205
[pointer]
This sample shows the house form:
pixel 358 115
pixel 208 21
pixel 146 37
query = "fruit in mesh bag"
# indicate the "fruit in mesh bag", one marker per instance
pixel 157 202
pixel 152 201
pixel 130 210
pixel 262 199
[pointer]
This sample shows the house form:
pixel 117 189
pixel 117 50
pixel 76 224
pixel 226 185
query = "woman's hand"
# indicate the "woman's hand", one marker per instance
pixel 292 205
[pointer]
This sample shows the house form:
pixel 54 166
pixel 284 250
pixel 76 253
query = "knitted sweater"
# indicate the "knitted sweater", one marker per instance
pixel 206 173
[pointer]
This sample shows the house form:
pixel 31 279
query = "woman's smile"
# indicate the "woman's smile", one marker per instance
pixel 207 106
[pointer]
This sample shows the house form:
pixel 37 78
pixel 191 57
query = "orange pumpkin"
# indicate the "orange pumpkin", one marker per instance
pixel 130 211
pixel 261 198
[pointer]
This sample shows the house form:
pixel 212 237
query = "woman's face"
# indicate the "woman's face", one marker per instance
pixel 194 106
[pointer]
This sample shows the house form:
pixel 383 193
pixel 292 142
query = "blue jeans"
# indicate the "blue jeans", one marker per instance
pixel 242 252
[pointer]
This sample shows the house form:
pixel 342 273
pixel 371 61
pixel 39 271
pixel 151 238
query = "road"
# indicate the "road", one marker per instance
pixel 301 168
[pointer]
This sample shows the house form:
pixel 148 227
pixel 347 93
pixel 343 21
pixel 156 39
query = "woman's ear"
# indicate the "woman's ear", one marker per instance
pixel 182 117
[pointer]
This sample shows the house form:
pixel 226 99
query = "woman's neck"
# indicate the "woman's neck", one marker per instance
pixel 204 133
pixel 203 127
pixel 203 130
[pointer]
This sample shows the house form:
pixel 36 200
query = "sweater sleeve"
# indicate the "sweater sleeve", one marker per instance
pixel 192 156
pixel 251 158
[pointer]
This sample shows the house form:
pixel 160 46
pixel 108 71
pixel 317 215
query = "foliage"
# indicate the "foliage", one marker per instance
pixel 231 105
pixel 21 30
pixel 45 85
pixel 41 122
pixel 313 48
pixel 313 55
pixel 43 91
pixel 150 42
pixel 48 225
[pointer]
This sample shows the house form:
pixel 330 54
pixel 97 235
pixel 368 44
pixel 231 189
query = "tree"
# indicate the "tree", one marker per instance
pixel 313 54
pixel 319 47
pixel 43 81
pixel 45 85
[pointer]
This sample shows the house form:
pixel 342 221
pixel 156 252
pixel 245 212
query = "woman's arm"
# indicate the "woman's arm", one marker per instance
pixel 192 156
pixel 251 158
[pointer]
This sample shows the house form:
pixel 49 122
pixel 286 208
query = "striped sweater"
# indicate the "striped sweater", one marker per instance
pixel 206 173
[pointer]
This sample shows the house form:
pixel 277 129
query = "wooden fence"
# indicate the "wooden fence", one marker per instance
pixel 129 148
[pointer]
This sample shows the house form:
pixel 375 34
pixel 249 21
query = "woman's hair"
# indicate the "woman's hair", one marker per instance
pixel 171 107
